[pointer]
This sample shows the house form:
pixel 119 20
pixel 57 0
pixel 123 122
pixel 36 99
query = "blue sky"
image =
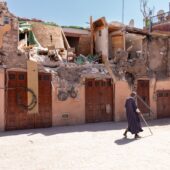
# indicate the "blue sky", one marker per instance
pixel 77 12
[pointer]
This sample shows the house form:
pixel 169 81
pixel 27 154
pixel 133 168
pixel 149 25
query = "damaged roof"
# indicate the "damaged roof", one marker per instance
pixel 48 35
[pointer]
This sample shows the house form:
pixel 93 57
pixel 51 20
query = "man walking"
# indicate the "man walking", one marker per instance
pixel 132 112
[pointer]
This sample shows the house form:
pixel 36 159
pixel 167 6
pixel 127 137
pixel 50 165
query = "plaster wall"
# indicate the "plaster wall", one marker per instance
pixel 102 41
pixel 122 91
pixel 2 100
pixel 3 30
pixel 69 112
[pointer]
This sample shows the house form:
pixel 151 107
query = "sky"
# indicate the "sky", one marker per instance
pixel 78 12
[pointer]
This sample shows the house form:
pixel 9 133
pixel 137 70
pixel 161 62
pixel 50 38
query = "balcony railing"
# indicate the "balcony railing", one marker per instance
pixel 161 18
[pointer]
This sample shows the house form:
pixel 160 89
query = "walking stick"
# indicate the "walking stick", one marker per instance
pixel 146 123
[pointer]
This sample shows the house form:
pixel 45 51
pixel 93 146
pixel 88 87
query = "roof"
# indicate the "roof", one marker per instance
pixel 48 35
pixel 24 26
pixel 114 26
pixel 145 32
pixel 75 31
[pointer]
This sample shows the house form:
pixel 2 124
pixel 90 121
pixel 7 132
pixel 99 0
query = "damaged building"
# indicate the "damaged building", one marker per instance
pixel 53 76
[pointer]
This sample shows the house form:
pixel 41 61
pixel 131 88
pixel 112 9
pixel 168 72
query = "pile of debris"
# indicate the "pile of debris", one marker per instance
pixel 70 77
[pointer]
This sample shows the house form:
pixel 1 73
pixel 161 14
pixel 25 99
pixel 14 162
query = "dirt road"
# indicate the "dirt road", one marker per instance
pixel 86 147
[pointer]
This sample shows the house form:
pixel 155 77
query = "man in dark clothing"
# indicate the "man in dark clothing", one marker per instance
pixel 132 112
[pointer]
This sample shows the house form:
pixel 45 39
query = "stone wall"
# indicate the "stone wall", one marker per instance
pixel 9 47
pixel 168 63
pixel 2 100
pixel 84 45
pixel 156 52
pixel 102 41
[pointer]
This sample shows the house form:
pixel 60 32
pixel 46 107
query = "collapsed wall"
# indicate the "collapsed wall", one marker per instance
pixel 68 79
pixel 152 61
pixel 156 51
pixel 9 54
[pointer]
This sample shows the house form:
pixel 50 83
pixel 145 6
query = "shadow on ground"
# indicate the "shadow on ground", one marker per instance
pixel 95 127
pixel 124 141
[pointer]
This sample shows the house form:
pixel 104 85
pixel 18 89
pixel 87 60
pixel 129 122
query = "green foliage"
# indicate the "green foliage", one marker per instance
pixel 31 38
pixel 51 23
pixel 76 27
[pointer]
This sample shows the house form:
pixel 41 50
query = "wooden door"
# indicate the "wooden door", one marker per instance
pixel 11 102
pixel 117 42
pixel 16 101
pixel 143 92
pixel 44 118
pixel 25 121
pixel 99 101
pixel 163 103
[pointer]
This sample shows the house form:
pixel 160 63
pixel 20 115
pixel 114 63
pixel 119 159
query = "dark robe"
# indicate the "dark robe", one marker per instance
pixel 134 125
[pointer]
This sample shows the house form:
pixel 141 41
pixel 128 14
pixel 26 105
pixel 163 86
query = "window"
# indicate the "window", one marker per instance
pixel 89 84
pixel 166 94
pixel 97 83
pixel 103 83
pixel 100 33
pixel 109 83
pixel 6 20
pixel 21 77
pixel 160 94
pixel 40 77
pixel 51 38
pixel 46 77
pixel 11 76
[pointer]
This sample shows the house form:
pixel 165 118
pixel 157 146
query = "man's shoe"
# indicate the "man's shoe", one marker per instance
pixel 125 134
pixel 137 136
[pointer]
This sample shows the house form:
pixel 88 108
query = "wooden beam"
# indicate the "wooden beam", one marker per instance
pixel 119 32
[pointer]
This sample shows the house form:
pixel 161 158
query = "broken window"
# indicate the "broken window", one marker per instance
pixel 21 36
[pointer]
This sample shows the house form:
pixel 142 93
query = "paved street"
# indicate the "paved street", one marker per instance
pixel 86 147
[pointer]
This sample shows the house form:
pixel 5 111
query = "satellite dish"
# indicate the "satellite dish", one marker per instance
pixel 131 23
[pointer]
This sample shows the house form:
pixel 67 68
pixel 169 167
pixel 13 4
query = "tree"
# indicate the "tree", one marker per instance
pixel 146 11
pixel 144 8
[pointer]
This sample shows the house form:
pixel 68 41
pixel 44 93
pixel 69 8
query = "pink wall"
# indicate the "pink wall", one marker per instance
pixel 75 108
pixel 2 115
pixel 122 91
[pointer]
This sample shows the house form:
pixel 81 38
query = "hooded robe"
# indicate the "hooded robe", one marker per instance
pixel 134 125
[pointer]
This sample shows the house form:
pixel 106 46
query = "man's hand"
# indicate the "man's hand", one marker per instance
pixel 138 111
